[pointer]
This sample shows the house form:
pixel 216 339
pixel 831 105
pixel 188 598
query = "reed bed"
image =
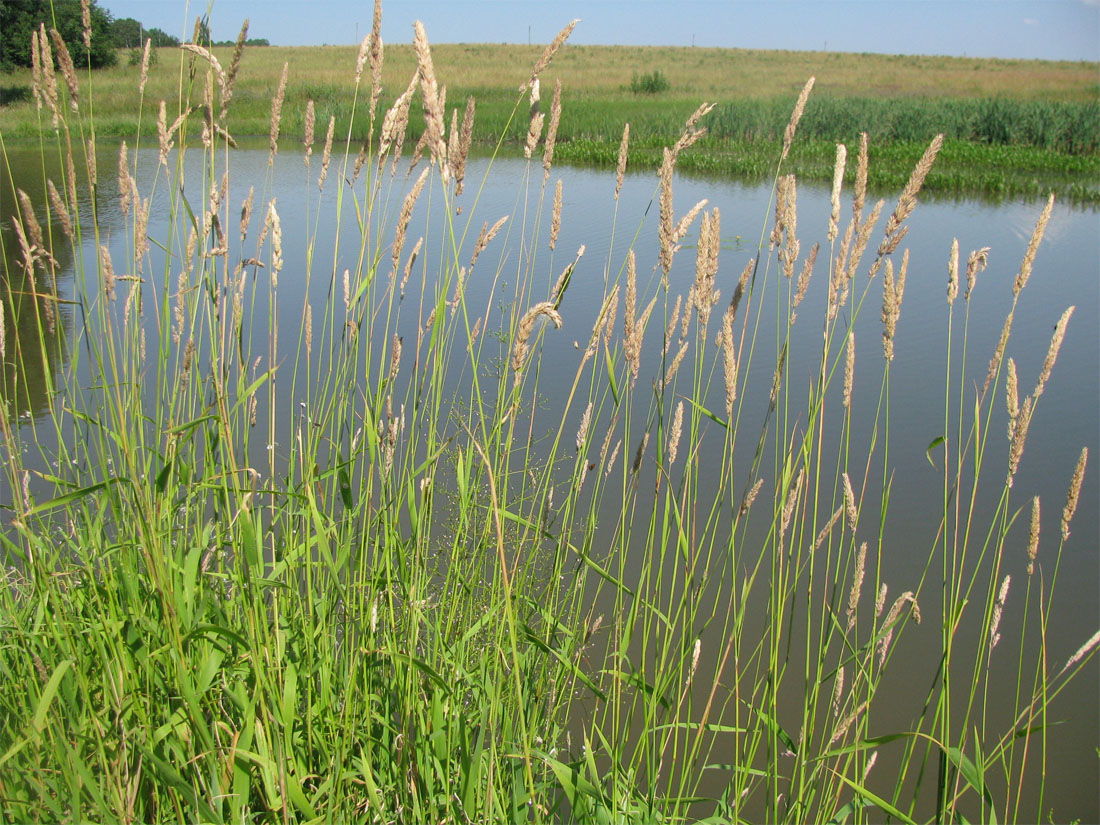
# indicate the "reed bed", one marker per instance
pixel 358 571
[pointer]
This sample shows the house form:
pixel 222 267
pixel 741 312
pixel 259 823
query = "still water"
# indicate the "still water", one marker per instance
pixel 1067 272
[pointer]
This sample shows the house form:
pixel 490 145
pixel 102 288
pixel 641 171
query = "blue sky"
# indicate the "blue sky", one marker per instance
pixel 1047 29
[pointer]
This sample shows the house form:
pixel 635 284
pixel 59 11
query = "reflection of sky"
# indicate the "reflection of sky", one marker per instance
pixel 1065 273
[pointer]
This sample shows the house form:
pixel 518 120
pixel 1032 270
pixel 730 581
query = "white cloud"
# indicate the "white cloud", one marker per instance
pixel 1030 21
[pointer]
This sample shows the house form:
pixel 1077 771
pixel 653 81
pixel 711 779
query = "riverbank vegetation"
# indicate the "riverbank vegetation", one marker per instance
pixel 1011 127
pixel 355 570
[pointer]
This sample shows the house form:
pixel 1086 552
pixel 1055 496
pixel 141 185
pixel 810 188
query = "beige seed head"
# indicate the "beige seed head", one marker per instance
pixel 611 460
pixel 847 723
pixel 781 184
pixel 549 53
pixel 828 528
pixel 674 319
pixel 777 378
pixel 998 610
pixel 555 220
pixel 880 599
pixel 49 79
pixel 276 242
pixel 30 222
pixel 473 335
pixel 68 71
pixel 37 79
pixel 1019 438
pixel 838 691
pixel 394 124
pixel 326 156
pixel 1012 397
pixel 857 585
pixel 125 187
pixel 433 108
pixel 1033 247
pixel 620 167
pixel 108 271
pixel 870 764
pixel 974 265
pixel 907 202
pixel 804 277
pixel 361 58
pixel 639 454
pixel 551 132
pixel 860 192
pixel 462 147
pixel 145 54
pixel 234 67
pixel 850 507
pixel 582 430
pixel 59 209
pixel 86 22
pixel 674 433
pixel 205 54
pixel 377 52
pixel 1074 492
pixel 487 235
pixel 891 620
pixel 411 260
pixel 796 115
pixel 665 225
pixel 309 329
pixel 526 328
pixel 309 124
pixel 1052 351
pixel 953 273
pixel 246 212
pixel 729 362
pixel 790 505
pixel 849 370
pixel 838 183
pixel 405 216
pixel 998 353
pixel 1082 651
pixel 859 245
pixel 276 115
pixel 163 140
pixel 395 357
pixel 1033 536
pixel 750 496
pixel 675 365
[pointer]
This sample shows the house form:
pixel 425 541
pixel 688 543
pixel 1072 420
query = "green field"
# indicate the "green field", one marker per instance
pixel 1012 127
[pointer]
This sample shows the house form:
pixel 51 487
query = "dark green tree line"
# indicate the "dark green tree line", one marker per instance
pixel 19 18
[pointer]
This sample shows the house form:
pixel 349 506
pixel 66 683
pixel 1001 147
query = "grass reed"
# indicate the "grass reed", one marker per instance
pixel 356 571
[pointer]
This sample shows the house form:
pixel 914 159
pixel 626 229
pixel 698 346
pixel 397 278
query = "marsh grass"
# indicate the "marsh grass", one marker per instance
pixel 357 570
pixel 1011 127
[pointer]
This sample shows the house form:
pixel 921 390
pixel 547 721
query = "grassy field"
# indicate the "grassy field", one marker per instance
pixel 353 570
pixel 1012 127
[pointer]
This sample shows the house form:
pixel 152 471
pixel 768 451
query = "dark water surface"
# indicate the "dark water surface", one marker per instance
pixel 1067 272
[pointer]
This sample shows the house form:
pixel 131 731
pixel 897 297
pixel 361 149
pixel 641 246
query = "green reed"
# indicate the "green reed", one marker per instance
pixel 356 570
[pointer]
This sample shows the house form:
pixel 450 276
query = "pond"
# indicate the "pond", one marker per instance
pixel 896 455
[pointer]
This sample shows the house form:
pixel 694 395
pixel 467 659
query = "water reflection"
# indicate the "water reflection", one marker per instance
pixel 1065 274
pixel 37 324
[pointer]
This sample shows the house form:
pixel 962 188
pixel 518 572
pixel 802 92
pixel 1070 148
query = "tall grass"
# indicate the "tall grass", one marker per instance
pixel 354 569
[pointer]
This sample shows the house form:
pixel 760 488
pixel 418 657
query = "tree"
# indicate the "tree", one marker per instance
pixel 20 18
pixel 161 38
pixel 126 32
